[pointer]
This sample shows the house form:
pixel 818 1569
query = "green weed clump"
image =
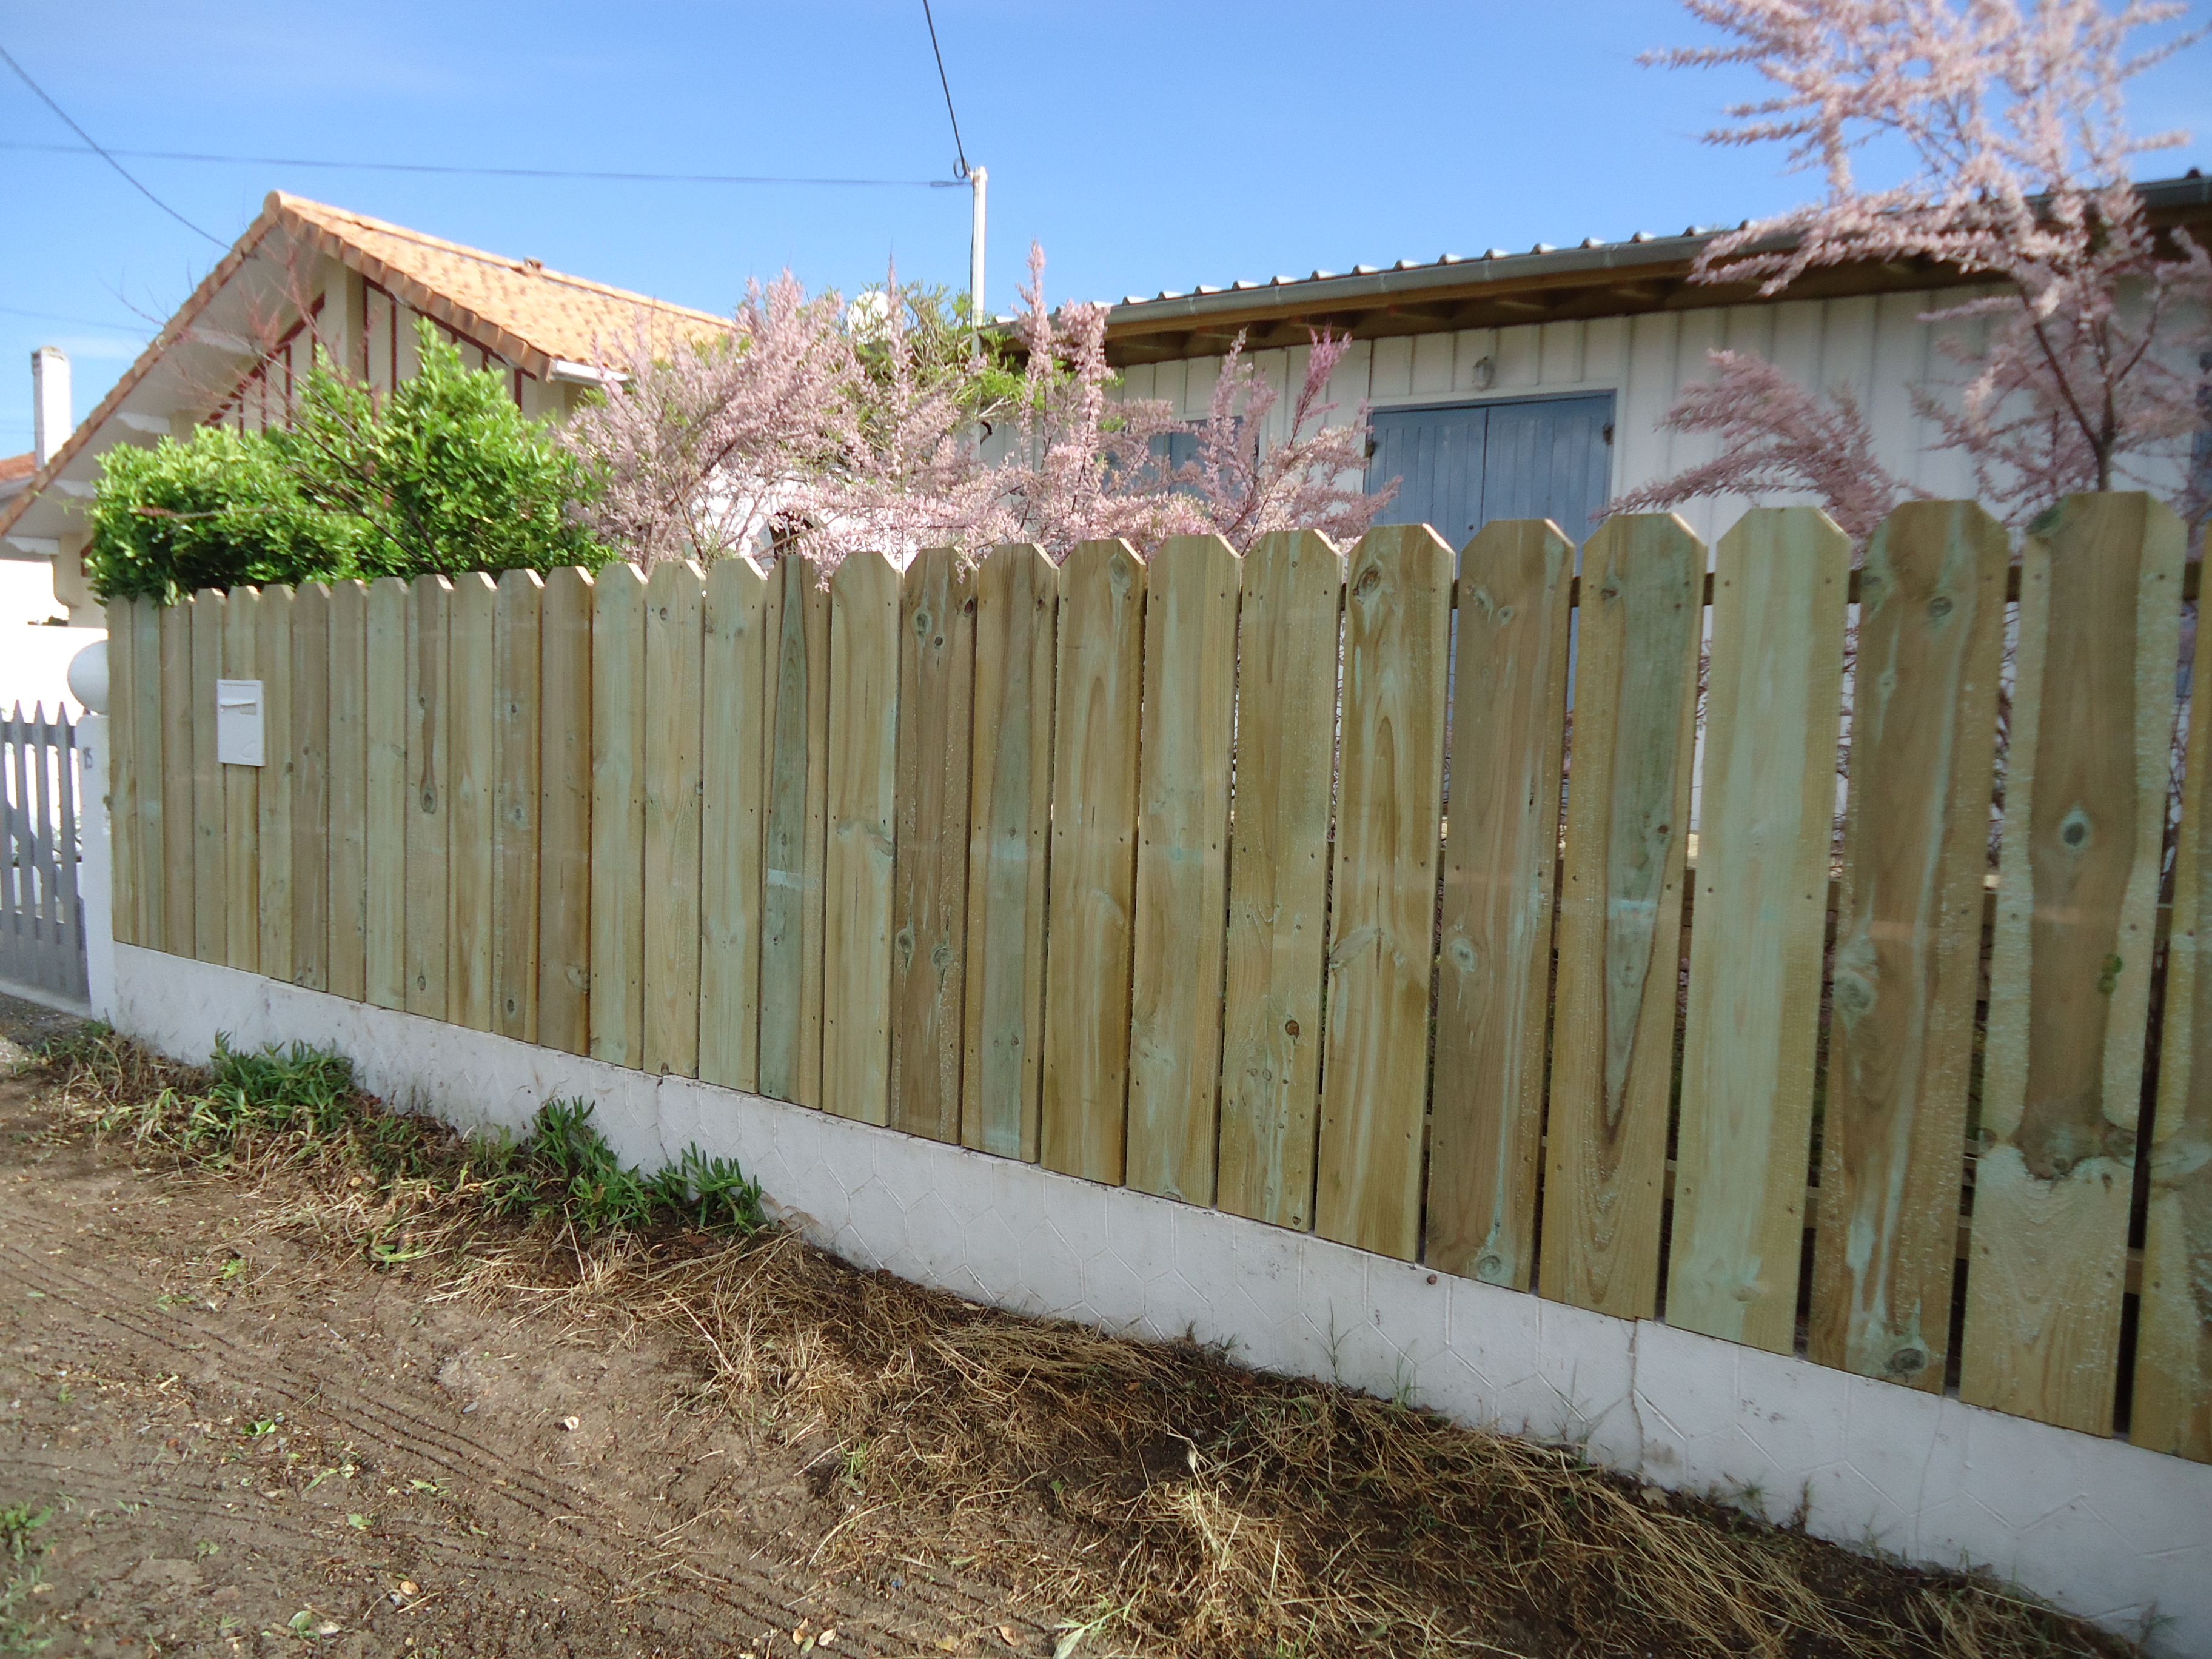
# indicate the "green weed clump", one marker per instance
pixel 297 1107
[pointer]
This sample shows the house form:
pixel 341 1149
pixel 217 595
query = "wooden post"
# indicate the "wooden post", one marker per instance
pixel 281 761
pixel 517 649
pixel 472 737
pixel 155 871
pixel 1182 866
pixel 1620 913
pixel 181 774
pixel 349 704
pixel 310 918
pixel 1772 708
pixel 732 780
pixel 935 640
pixel 1397 656
pixel 124 883
pixel 389 719
pixel 430 808
pixel 1009 821
pixel 1293 592
pixel 795 727
pixel 1494 971
pixel 564 837
pixel 1908 940
pixel 618 857
pixel 1094 864
pixel 674 605
pixel 863 762
pixel 2069 969
pixel 241 794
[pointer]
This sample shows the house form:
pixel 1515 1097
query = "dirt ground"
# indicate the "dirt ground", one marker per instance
pixel 237 1450
pixel 274 1409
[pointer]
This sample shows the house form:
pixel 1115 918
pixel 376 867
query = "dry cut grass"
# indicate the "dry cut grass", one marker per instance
pixel 1182 1504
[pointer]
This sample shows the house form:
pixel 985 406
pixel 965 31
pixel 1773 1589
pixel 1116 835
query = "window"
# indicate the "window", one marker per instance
pixel 1461 465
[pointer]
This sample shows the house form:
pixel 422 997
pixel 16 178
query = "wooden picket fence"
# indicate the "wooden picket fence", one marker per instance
pixel 41 919
pixel 1144 870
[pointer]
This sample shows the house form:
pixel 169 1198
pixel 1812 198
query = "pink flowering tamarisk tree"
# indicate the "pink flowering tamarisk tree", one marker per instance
pixel 2084 369
pixel 818 428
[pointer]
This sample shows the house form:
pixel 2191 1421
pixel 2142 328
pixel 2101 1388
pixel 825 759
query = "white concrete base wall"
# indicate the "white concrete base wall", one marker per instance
pixel 2095 1525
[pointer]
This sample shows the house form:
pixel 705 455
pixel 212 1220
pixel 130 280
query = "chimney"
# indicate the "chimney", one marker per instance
pixel 51 418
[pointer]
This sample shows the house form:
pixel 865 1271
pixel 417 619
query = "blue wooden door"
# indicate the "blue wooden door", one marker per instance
pixel 1459 465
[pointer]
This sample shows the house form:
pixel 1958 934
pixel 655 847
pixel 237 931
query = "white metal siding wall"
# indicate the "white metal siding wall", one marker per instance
pixel 1876 346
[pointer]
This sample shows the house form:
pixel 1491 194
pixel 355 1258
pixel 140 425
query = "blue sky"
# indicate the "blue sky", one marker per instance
pixel 1146 144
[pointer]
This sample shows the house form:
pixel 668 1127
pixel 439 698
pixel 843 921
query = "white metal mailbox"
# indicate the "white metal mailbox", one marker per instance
pixel 238 725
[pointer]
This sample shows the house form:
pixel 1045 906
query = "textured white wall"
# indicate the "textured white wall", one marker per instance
pixel 2097 1526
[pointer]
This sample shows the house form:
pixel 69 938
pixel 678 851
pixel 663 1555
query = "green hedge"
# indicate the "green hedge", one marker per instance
pixel 443 474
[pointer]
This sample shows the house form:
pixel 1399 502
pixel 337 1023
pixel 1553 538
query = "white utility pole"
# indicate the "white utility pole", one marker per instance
pixel 977 178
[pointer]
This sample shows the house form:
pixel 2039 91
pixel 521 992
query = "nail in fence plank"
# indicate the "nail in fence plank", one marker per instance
pixel 2069 967
pixel 516 651
pixel 211 939
pixel 2172 1400
pixel 275 786
pixel 1501 843
pixel 618 857
pixel 1083 1122
pixel 795 728
pixel 1182 866
pixel 1774 702
pixel 472 736
pixel 1288 631
pixel 1009 821
pixel 393 810
pixel 864 725
pixel 179 776
pixel 675 607
pixel 1620 913
pixel 1908 941
pixel 936 646
pixel 429 804
pixel 564 812
pixel 311 800
pixel 733 779
pixel 154 872
pixel 241 793
pixel 1397 654
pixel 124 882
pixel 349 810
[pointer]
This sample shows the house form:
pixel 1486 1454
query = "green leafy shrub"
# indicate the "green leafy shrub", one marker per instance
pixel 442 476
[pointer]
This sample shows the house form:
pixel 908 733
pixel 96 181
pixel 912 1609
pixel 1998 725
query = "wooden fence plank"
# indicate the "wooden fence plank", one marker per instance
pixel 1180 931
pixel 472 784
pixel 1293 592
pixel 429 805
pixel 2173 1398
pixel 241 793
pixel 1084 1121
pixel 155 871
pixel 387 721
pixel 732 780
pixel 617 859
pixel 517 649
pixel 1502 841
pixel 936 646
pixel 1009 820
pixel 1772 711
pixel 675 607
pixel 2069 967
pixel 1908 941
pixel 210 908
pixel 273 648
pixel 180 778
pixel 1397 655
pixel 864 730
pixel 310 918
pixel 795 731
pixel 564 812
pixel 125 886
pixel 1620 913
pixel 349 815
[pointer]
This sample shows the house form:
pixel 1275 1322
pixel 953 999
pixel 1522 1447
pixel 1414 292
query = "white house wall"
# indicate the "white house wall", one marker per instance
pixel 1876 347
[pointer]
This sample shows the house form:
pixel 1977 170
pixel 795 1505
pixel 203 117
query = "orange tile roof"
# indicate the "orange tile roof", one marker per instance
pixel 530 315
pixel 18 466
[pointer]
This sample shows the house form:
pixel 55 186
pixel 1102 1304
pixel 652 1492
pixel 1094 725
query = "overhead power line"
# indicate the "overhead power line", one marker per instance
pixel 92 144
pixel 957 150
pixel 134 328
pixel 485 172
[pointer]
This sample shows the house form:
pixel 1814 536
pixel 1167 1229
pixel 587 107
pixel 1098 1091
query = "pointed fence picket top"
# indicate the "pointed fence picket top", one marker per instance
pixel 1146 871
